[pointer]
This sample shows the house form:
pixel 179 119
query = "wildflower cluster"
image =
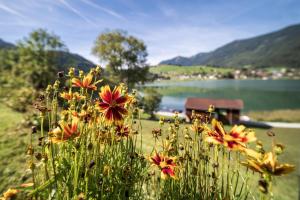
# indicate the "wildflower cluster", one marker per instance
pixel 90 146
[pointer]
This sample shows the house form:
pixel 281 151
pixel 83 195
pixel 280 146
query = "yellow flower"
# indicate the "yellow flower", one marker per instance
pixel 85 83
pixel 10 194
pixel 70 96
pixel 266 163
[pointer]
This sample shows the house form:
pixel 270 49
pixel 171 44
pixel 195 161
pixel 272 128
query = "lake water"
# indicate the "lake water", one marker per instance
pixel 256 94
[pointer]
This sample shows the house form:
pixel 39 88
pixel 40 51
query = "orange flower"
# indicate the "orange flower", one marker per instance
pixel 70 95
pixel 236 139
pixel 112 104
pixel 65 131
pixel 266 163
pixel 85 83
pixel 10 194
pixel 165 164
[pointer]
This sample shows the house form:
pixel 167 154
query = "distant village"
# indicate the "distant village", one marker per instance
pixel 244 73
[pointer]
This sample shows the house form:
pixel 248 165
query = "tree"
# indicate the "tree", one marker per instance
pixel 151 100
pixel 37 58
pixel 124 55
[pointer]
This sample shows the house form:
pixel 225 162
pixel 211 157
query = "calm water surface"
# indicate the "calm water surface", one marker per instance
pixel 256 94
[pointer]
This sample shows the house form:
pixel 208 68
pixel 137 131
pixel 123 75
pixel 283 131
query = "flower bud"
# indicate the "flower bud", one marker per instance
pixel 279 148
pixel 71 72
pixel 56 85
pixel 81 74
pixel 211 108
pixel 48 89
pixel 98 69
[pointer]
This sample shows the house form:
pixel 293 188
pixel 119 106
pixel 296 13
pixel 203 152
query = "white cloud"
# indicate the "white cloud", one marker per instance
pixel 11 10
pixel 77 12
pixel 106 10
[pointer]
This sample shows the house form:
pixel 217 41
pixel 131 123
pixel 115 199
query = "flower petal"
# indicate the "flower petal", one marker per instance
pixel 121 100
pixel 116 93
pixel 106 94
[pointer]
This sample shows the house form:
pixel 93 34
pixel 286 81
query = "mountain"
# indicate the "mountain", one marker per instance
pixel 279 48
pixel 65 59
pixel 4 44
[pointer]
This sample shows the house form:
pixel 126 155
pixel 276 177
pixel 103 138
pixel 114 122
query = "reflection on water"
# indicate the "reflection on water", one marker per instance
pixel 256 94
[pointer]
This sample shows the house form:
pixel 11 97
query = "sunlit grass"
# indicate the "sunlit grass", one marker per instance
pixel 276 115
pixel 12 148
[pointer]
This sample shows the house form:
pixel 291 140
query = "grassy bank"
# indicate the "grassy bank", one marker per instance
pixel 276 115
pixel 13 143
pixel 173 70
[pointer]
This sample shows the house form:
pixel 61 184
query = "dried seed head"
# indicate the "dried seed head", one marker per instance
pixel 66 88
pixel 187 137
pixel 45 158
pixel 92 164
pixel 270 133
pixel 60 74
pixel 100 181
pixel 33 129
pixel 90 146
pixel 263 186
pixel 38 156
pixel 181 147
pixel 215 165
pixel 41 97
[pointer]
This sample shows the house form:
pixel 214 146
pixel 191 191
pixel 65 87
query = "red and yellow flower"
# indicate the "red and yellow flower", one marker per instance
pixel 86 82
pixel 165 164
pixel 236 139
pixel 65 131
pixel 266 163
pixel 122 130
pixel 112 104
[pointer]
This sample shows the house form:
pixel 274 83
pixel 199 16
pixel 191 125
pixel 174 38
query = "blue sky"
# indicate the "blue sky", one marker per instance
pixel 168 27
